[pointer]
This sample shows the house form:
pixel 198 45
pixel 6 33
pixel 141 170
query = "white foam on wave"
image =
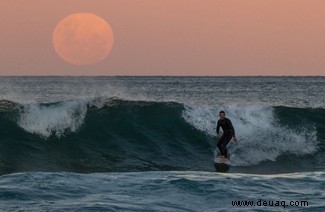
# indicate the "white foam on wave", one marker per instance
pixel 261 136
pixel 55 119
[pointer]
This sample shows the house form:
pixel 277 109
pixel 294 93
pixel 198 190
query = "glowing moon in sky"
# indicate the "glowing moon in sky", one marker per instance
pixel 83 38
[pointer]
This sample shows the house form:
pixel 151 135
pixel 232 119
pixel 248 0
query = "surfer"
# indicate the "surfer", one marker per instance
pixel 228 134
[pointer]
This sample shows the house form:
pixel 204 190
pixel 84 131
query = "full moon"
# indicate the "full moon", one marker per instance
pixel 83 38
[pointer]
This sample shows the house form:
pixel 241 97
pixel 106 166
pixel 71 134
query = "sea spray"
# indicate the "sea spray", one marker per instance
pixel 261 135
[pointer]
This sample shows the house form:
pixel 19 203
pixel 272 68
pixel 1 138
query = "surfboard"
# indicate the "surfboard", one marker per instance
pixel 221 164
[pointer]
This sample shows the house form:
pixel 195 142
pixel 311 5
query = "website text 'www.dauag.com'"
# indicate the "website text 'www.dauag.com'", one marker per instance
pixel 270 203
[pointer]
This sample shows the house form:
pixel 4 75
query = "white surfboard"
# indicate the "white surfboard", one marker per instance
pixel 221 160
pixel 221 164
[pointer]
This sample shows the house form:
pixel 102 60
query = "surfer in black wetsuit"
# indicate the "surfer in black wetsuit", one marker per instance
pixel 228 133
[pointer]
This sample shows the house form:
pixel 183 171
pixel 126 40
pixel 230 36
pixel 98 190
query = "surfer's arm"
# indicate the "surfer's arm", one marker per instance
pixel 231 128
pixel 232 131
pixel 218 128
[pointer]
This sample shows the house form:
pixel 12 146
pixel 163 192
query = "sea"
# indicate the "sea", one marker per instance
pixel 131 143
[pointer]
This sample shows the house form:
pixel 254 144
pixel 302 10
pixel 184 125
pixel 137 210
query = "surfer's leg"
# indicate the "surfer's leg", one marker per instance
pixel 220 141
pixel 224 145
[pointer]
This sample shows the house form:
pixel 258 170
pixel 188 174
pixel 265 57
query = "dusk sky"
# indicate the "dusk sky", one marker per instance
pixel 171 37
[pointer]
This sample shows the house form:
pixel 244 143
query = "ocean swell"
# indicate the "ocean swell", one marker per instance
pixel 100 135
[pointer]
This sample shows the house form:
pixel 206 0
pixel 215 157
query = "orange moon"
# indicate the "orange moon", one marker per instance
pixel 83 38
